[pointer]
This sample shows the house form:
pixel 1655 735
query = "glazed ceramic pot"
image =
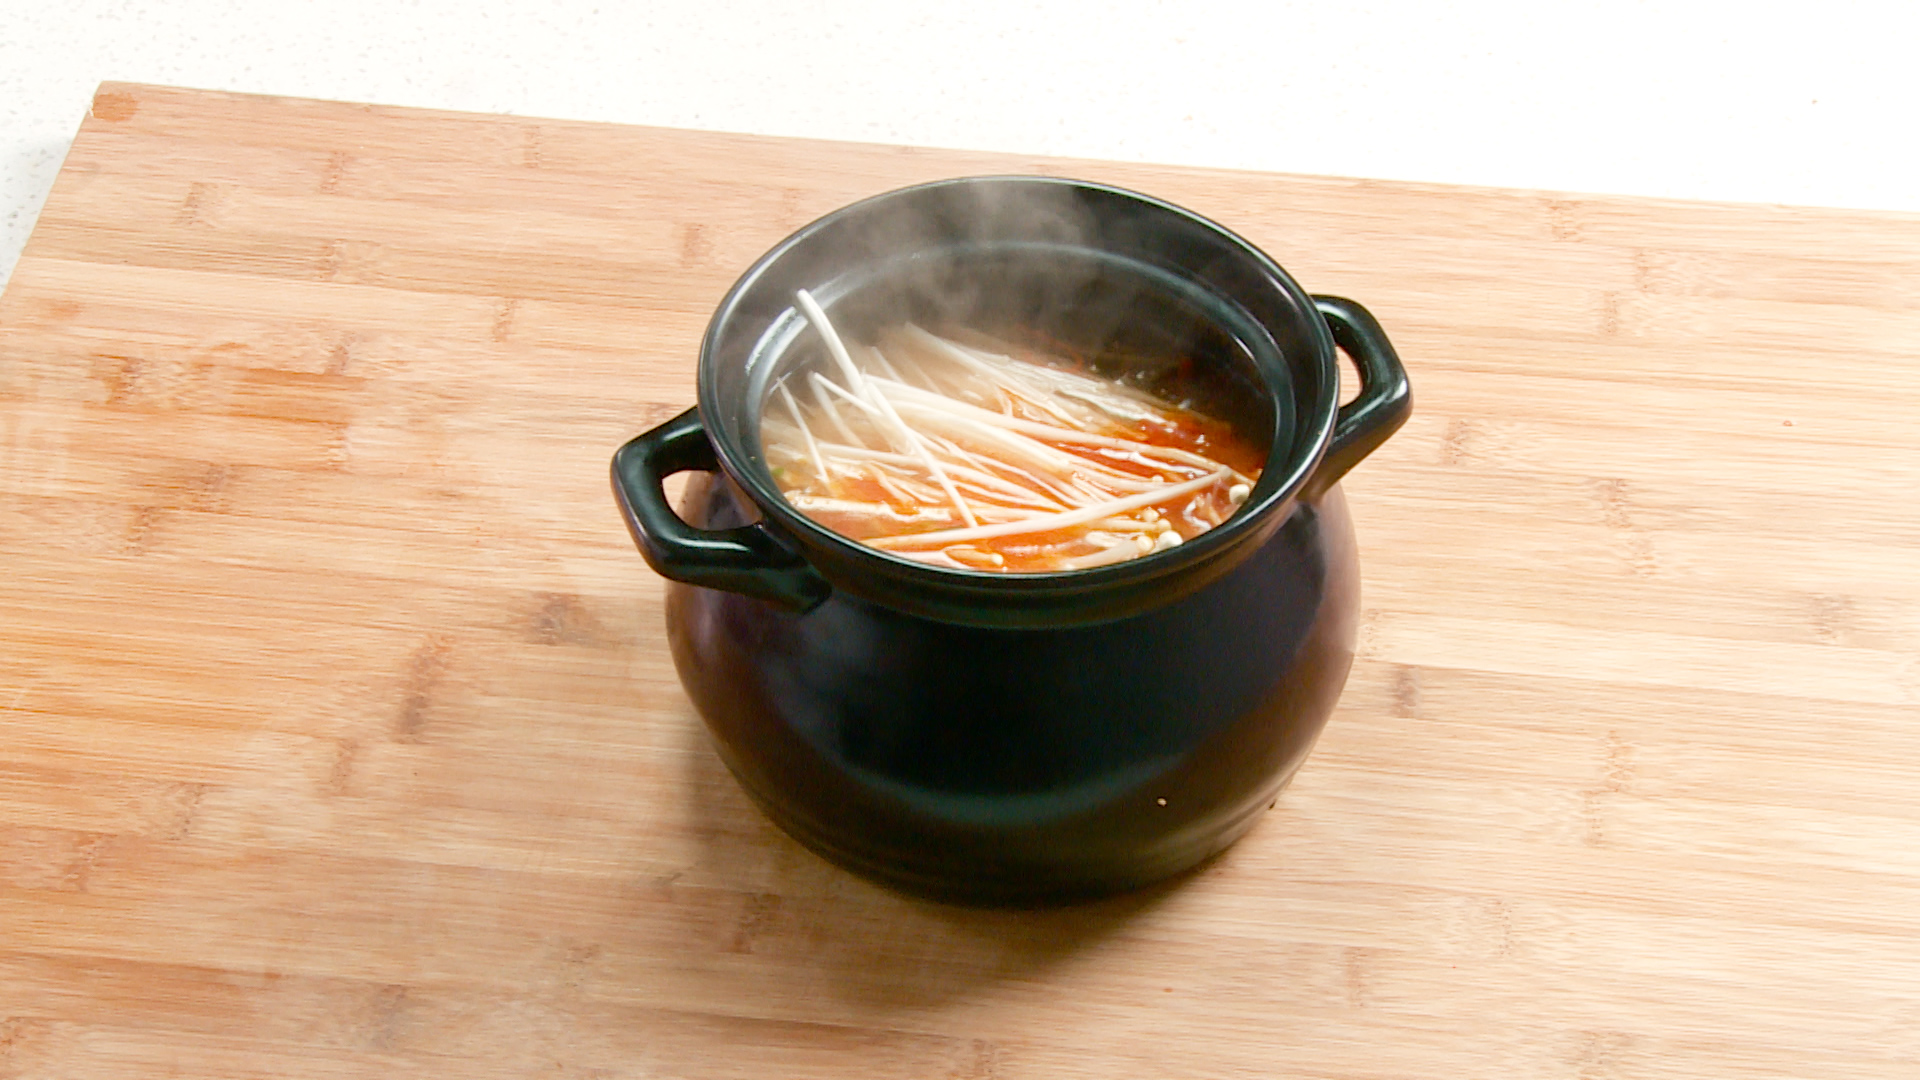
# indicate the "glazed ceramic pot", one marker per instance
pixel 1021 737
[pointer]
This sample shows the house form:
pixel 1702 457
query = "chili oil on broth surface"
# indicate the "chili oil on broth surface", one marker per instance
pixel 964 451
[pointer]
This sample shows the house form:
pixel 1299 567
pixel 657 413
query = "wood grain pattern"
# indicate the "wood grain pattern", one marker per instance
pixel 338 737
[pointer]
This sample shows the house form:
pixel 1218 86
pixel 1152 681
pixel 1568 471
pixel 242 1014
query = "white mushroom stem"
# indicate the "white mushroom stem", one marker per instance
pixel 892 487
pixel 861 453
pixel 1125 412
pixel 813 448
pixel 921 432
pixel 1057 465
pixel 989 484
pixel 992 374
pixel 1003 381
pixel 881 515
pixel 877 512
pixel 1119 550
pixel 974 557
pixel 1039 405
pixel 1106 395
pixel 859 382
pixel 1159 454
pixel 819 384
pixel 835 347
pixel 879 361
pixel 1038 485
pixel 933 464
pixel 994 487
pixel 1050 522
pixel 828 387
pixel 1032 382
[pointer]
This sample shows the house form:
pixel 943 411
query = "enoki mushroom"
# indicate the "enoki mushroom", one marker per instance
pixel 973 458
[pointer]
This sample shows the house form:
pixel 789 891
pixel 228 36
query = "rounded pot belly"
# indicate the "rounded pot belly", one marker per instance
pixel 1016 766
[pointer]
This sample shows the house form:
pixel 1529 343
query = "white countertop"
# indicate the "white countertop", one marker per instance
pixel 1799 104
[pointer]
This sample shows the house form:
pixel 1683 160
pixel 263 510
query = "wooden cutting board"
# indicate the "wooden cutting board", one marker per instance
pixel 338 735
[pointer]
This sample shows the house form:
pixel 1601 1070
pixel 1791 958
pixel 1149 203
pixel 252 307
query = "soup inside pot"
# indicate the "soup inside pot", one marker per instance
pixel 1081 418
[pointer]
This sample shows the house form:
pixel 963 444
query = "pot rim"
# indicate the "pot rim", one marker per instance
pixel 1292 456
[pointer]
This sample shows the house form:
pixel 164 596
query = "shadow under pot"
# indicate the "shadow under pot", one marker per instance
pixel 1019 737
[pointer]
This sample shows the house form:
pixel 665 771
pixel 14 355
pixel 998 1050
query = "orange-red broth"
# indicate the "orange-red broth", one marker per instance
pixel 1175 427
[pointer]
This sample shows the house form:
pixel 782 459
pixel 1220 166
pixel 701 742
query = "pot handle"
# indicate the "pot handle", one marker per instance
pixel 749 559
pixel 1385 399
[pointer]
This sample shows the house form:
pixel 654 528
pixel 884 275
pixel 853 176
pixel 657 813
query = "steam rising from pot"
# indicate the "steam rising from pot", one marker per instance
pixel 993 387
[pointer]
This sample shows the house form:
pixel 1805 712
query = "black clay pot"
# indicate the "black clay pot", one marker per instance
pixel 1021 737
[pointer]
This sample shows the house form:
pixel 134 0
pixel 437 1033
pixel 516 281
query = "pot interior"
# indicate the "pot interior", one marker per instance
pixel 1110 316
pixel 1144 293
pixel 1130 322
